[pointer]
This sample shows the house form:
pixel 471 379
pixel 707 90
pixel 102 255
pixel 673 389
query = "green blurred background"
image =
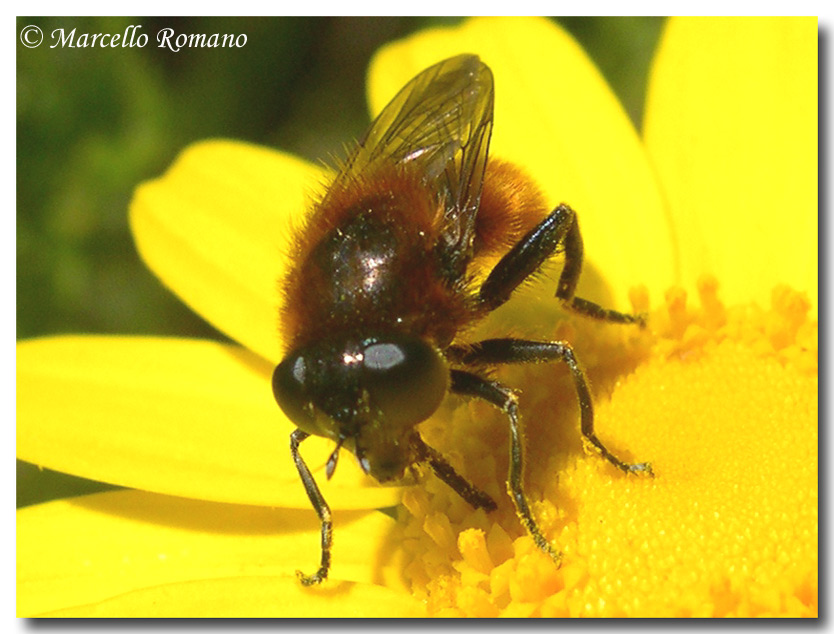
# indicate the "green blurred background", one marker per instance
pixel 92 123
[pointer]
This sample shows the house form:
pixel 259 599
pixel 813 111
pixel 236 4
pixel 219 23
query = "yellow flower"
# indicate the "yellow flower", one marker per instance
pixel 722 400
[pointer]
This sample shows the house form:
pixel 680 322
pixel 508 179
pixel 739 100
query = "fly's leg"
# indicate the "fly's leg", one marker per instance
pixel 322 510
pixel 497 351
pixel 559 231
pixel 468 384
pixel 446 472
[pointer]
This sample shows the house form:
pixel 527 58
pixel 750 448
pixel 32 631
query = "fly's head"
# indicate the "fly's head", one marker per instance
pixel 366 393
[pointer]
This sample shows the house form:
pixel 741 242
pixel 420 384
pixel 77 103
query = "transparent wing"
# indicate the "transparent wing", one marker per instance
pixel 440 122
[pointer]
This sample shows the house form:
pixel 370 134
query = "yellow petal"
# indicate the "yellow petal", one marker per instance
pixel 253 597
pixel 214 228
pixel 731 124
pixel 131 553
pixel 556 117
pixel 185 417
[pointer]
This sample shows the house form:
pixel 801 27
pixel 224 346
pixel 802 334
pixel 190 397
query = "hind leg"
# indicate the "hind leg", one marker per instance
pixel 559 231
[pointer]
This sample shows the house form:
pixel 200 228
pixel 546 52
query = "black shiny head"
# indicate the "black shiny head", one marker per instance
pixel 367 394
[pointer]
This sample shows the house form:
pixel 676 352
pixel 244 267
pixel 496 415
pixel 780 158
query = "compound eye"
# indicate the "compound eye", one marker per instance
pixel 289 385
pixel 406 378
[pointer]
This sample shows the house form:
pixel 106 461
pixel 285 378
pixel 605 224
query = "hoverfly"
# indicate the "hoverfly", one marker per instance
pixel 381 286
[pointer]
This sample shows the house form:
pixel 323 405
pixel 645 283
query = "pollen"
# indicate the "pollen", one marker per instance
pixel 722 401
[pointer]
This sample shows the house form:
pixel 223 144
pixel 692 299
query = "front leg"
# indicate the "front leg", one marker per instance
pixel 558 231
pixel 321 508
pixel 446 472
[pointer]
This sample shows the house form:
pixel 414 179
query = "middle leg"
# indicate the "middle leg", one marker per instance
pixel 468 384
pixel 499 351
